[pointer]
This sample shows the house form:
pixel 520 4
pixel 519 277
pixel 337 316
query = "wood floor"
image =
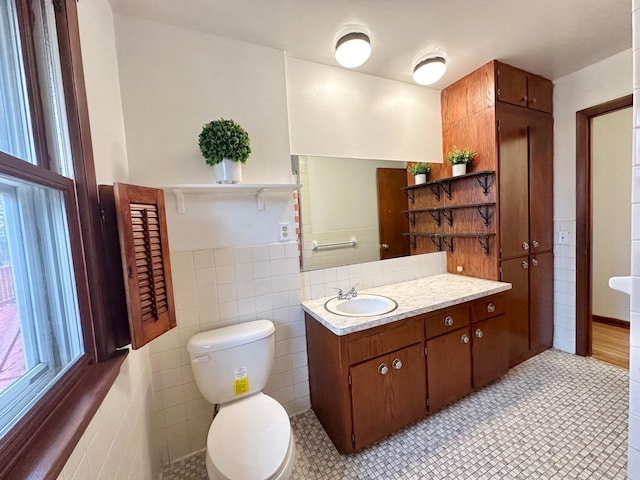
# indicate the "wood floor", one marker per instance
pixel 610 344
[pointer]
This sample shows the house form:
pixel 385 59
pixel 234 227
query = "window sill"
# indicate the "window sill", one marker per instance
pixel 48 450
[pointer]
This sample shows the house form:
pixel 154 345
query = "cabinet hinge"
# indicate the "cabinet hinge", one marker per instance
pixel 349 379
pixel 427 402
pixel 425 351
pixel 498 120
pixel 353 439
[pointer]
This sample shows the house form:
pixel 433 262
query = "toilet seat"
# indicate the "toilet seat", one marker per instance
pixel 250 439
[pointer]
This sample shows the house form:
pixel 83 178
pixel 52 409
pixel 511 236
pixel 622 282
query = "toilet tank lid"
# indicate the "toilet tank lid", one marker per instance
pixel 229 337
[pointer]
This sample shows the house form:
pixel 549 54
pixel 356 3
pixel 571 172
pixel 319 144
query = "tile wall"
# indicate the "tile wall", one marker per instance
pixel 564 274
pixel 634 367
pixel 215 288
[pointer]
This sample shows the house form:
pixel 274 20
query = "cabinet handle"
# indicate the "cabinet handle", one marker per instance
pixel 448 320
pixel 525 264
pixel 397 364
pixel 464 338
pixel 525 246
pixel 534 262
pixel 383 369
pixel 491 307
pixel 533 100
pixel 479 333
pixel 384 246
pixel 535 244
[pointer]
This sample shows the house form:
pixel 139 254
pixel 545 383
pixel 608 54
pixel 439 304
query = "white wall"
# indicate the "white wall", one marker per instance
pixel 598 83
pixel 611 142
pixel 118 443
pixel 339 113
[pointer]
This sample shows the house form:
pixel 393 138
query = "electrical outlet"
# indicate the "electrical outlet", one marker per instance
pixel 283 231
pixel 563 238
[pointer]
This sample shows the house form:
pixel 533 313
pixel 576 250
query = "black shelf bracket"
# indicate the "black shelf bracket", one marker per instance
pixel 410 194
pixel 449 243
pixel 435 189
pixel 446 186
pixel 484 241
pixel 435 214
pixel 483 210
pixel 483 180
pixel 437 242
pixel 449 217
pixel 412 242
pixel 411 217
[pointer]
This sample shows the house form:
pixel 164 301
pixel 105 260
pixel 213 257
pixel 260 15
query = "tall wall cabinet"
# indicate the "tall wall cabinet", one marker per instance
pixel 505 114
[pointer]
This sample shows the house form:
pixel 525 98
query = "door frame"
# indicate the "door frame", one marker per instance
pixel 584 217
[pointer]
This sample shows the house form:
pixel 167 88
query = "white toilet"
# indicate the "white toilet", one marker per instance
pixel 250 437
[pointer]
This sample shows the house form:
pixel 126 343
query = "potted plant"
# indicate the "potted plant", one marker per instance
pixel 225 145
pixel 459 159
pixel 420 171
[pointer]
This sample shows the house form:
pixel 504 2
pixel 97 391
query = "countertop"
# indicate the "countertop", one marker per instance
pixel 414 297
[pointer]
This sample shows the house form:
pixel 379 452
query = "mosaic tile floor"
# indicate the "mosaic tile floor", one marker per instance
pixel 556 416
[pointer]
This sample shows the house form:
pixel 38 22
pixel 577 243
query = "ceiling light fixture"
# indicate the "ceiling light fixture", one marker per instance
pixel 353 49
pixel 429 71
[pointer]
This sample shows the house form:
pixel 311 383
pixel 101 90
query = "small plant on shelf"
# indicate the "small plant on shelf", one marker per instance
pixel 420 168
pixel 459 159
pixel 225 145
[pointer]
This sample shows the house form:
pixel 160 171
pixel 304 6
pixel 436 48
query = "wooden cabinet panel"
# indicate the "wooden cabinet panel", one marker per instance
pixel 405 397
pixel 487 307
pixel 511 85
pixel 541 184
pixel 448 368
pixel 539 93
pixel 541 310
pixel 387 341
pixel 488 352
pixel 514 184
pixel 368 400
pixel 446 321
pixel 517 310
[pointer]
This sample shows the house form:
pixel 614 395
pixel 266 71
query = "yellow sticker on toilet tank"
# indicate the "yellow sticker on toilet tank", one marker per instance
pixel 241 381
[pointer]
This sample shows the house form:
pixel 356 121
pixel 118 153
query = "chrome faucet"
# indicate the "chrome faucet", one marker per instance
pixel 349 295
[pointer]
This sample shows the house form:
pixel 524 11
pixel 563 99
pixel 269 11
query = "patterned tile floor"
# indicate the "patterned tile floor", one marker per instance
pixel 556 416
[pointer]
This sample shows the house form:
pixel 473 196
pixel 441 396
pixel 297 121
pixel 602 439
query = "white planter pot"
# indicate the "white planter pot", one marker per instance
pixel 228 171
pixel 421 178
pixel 459 169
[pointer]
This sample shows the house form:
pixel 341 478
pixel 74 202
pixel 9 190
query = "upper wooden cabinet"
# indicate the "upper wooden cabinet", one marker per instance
pixel 524 89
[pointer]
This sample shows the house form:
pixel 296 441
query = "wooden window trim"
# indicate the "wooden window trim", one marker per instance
pixel 42 441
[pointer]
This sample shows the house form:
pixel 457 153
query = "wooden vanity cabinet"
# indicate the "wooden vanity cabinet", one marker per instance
pixel 489 340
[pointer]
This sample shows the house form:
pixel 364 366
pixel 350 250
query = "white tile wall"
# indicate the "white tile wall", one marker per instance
pixel 564 302
pixel 119 443
pixel 634 354
pixel 215 288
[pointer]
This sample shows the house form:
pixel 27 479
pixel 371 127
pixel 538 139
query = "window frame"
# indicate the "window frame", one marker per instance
pixel 41 441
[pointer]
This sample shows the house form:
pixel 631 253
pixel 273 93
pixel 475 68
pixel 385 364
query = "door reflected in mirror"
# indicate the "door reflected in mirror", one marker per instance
pixel 350 210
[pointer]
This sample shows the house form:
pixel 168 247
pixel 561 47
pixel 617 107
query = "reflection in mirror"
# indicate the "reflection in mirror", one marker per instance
pixel 339 214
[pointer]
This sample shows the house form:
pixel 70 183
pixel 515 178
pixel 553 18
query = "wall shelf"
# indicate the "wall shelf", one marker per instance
pixel 447 212
pixel 444 184
pixel 447 238
pixel 236 189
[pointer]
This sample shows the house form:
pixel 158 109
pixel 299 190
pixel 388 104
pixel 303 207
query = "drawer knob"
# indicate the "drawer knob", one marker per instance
pixel 525 246
pixel 397 364
pixel 383 369
pixel 491 307
pixel 525 264
pixel 448 320
pixel 464 338
pixel 535 244
pixel 479 333
pixel 534 262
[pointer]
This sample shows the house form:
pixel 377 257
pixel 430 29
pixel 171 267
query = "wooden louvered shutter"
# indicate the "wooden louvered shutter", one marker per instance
pixel 146 266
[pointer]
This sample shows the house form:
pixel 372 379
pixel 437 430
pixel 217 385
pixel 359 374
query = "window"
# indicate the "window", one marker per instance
pixel 55 329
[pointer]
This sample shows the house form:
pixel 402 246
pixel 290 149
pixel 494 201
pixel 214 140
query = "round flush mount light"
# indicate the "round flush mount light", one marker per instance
pixel 353 49
pixel 429 71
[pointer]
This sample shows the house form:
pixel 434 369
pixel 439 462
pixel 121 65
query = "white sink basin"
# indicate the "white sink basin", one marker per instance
pixel 364 305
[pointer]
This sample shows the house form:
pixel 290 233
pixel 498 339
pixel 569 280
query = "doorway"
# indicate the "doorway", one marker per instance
pixel 591 260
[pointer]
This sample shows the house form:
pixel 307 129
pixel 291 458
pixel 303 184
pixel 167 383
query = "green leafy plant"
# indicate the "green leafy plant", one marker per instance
pixel 420 168
pixel 457 156
pixel 222 139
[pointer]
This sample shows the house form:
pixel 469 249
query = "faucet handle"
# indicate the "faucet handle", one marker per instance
pixel 341 296
pixel 353 292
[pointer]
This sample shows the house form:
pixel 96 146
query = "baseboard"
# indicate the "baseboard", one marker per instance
pixel 616 322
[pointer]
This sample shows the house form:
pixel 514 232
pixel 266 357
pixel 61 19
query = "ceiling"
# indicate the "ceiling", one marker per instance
pixel 550 37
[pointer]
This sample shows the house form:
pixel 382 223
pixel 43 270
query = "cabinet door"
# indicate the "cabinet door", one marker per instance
pixel 488 351
pixel 513 150
pixel 541 300
pixel 367 400
pixel 539 93
pixel 511 85
pixel 448 368
pixel 541 185
pixel 405 394
pixel 516 272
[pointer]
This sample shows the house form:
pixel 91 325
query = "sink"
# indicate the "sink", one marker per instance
pixel 364 305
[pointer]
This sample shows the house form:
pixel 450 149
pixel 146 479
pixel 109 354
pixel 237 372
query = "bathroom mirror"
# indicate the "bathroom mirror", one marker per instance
pixel 339 214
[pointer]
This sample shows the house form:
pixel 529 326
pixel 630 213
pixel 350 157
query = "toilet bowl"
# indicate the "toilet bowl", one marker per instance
pixel 250 437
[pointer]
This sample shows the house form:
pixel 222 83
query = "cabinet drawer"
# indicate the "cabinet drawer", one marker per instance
pixel 384 342
pixel 487 308
pixel 446 321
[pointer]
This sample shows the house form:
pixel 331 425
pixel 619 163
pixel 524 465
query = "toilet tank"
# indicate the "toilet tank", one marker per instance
pixel 232 362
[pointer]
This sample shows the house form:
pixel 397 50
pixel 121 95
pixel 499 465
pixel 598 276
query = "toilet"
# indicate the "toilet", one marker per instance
pixel 250 437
